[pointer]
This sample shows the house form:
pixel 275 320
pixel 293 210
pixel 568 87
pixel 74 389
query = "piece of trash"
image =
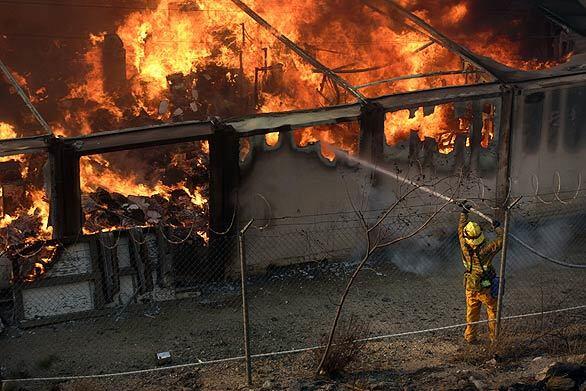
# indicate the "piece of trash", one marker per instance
pixel 163 107
pixel 163 358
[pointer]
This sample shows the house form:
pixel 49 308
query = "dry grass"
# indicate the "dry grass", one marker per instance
pixel 555 336
pixel 345 348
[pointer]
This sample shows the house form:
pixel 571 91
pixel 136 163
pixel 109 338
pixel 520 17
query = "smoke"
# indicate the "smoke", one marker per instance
pixel 519 22
pixel 436 250
pixel 557 237
pixel 432 250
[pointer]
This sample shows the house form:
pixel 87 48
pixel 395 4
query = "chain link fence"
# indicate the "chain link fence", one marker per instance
pixel 110 302
pixel 113 301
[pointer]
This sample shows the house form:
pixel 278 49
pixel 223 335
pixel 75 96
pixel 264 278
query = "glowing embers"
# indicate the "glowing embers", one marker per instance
pixel 344 136
pixel 24 207
pixel 34 260
pixel 30 262
pixel 442 125
pixel 148 187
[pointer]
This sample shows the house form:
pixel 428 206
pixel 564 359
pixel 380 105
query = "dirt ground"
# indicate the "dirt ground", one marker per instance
pixel 290 308
pixel 437 362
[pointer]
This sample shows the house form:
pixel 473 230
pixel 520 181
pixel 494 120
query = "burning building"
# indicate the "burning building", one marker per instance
pixel 214 96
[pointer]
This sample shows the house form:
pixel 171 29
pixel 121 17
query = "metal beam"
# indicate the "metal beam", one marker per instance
pixel 551 80
pixel 436 36
pixel 141 137
pixel 439 96
pixel 302 53
pixel 24 145
pixel 266 123
pixel 25 98
pixel 415 76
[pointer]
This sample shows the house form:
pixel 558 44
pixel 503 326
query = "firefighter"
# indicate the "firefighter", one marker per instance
pixel 480 280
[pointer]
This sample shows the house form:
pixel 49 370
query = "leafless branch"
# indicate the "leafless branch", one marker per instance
pixel 370 249
pixel 401 199
pixel 358 213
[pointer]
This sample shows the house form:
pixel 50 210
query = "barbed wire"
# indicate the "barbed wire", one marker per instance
pixel 555 193
pixel 108 247
pixel 559 184
pixel 131 235
pixel 227 230
pixel 21 255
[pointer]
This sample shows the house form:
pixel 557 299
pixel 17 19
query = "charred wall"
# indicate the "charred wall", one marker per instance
pixel 548 145
pixel 304 202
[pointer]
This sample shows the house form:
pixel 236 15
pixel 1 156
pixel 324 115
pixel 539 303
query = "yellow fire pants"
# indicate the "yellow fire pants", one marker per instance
pixel 474 300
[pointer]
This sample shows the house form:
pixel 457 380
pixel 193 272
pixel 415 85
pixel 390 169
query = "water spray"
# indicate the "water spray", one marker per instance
pixel 366 164
pixel 400 178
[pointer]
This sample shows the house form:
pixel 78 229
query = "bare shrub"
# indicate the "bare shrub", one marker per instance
pixel 346 346
pixel 557 336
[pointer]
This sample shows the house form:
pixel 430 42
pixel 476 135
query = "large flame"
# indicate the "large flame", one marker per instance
pixel 195 59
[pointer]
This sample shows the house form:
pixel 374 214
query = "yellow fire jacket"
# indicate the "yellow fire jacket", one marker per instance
pixel 479 260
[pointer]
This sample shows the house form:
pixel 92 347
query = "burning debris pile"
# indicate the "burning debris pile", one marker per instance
pixel 171 61
pixel 104 210
pixel 173 191
pixel 24 209
pixel 30 261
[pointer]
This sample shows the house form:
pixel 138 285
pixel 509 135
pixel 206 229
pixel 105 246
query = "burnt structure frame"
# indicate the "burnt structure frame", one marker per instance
pixel 223 135
pixel 223 139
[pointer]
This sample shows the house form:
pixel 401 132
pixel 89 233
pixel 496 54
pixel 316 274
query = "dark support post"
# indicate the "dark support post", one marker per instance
pixel 372 134
pixel 503 189
pixel 224 180
pixel 242 256
pixel 459 152
pixel 430 150
pixel 504 150
pixel 65 192
pixel 414 147
pixel 475 136
pixel 503 266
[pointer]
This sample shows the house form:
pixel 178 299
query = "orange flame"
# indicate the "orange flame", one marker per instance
pixel 6 131
pixel 272 139
pixel 182 41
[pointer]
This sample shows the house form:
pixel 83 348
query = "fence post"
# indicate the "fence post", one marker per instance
pixel 503 265
pixel 242 257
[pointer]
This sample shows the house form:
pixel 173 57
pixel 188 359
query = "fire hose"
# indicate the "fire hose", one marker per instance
pixel 449 199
